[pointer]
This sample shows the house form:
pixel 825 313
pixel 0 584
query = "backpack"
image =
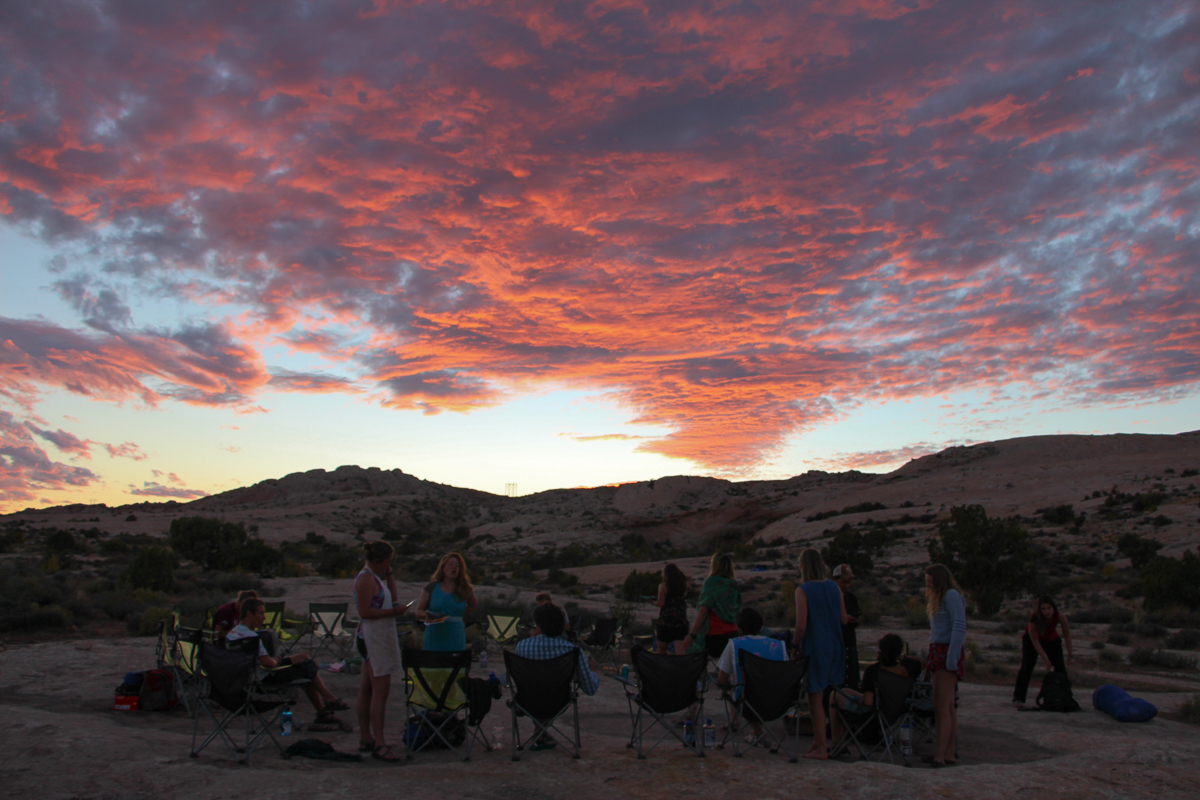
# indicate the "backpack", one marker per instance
pixel 1056 693
pixel 157 692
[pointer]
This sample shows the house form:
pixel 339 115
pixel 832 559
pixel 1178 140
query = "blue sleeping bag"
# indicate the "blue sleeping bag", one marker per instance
pixel 1116 701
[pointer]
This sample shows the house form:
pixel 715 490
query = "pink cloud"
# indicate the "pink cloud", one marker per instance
pixel 153 489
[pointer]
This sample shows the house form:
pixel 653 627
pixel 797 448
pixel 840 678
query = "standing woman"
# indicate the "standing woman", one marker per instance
pixel 672 619
pixel 443 603
pixel 947 634
pixel 716 610
pixel 378 644
pixel 820 614
pixel 1041 640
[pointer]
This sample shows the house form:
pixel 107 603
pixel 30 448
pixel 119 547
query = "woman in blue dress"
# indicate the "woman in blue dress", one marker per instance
pixel 820 614
pixel 444 602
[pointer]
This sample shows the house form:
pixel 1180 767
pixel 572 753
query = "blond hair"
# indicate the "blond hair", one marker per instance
pixel 812 566
pixel 943 582
pixel 722 565
pixel 462 584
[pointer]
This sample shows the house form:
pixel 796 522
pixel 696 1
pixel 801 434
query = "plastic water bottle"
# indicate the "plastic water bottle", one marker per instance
pixel 483 659
pixel 710 733
pixel 285 724
pixel 689 733
pixel 906 743
pixel 625 672
pixel 498 737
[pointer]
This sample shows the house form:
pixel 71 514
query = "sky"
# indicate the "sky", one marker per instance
pixel 560 244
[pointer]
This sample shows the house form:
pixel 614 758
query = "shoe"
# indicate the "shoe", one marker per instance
pixel 937 764
pixel 364 746
pixel 543 744
pixel 385 754
pixel 335 705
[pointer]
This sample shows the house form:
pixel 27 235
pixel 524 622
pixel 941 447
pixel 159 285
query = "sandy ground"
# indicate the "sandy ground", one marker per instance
pixel 63 741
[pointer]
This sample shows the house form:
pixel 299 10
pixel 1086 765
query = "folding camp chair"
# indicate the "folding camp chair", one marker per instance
pixel 176 652
pixel 235 693
pixel 665 685
pixel 860 723
pixel 275 623
pixel 543 690
pixel 435 701
pixel 769 691
pixel 328 631
pixel 602 640
pixel 503 627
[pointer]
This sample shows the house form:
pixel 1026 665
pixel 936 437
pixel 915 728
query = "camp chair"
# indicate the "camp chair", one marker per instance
pixel 275 623
pixel 503 626
pixel 543 690
pixel 602 640
pixel 435 701
pixel 665 685
pixel 769 691
pixel 328 631
pixel 176 652
pixel 235 693
pixel 861 725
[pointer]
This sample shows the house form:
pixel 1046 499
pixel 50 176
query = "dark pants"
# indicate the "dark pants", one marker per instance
pixel 850 640
pixel 1029 660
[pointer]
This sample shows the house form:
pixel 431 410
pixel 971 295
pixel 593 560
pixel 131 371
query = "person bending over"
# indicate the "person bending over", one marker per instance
pixel 298 665
pixel 1041 640
pixel 729 671
pixel 229 615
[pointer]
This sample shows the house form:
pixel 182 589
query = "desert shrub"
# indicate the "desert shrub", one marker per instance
pixel 338 561
pixel 1058 515
pixel 153 568
pixel 131 518
pixel 783 607
pixel 1190 710
pixel 562 579
pixel 234 582
pixel 916 615
pixel 1103 614
pixel 1138 550
pixel 1119 639
pixel 35 619
pixel 292 569
pixel 1175 617
pixel 849 547
pixel 638 585
pixel 149 621
pixel 1111 657
pixel 623 613
pixel 114 547
pixel 1186 639
pixel 1147 657
pixel 61 542
pixel 1147 630
pixel 1167 582
pixel 217 545
pixel 991 558
pixel 461 532
pixel 1098 645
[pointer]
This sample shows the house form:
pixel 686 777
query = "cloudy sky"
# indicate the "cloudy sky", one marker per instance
pixel 576 243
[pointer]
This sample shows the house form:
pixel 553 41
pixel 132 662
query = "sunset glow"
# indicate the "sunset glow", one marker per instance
pixel 584 243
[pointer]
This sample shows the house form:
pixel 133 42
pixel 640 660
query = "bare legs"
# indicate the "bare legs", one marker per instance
pixel 946 715
pixel 816 709
pixel 372 700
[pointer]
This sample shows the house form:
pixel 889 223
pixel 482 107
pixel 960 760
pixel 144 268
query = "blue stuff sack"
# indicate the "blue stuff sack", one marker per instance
pixel 1121 706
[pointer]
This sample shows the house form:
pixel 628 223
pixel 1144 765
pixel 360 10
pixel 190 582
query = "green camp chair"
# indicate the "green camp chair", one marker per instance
pixel 503 626
pixel 275 622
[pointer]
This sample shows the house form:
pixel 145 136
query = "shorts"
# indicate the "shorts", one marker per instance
pixel 668 633
pixel 305 670
pixel 937 660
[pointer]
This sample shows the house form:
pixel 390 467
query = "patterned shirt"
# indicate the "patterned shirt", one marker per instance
pixel 541 648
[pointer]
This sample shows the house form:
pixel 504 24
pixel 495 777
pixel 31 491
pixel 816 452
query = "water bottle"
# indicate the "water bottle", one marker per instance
pixel 689 733
pixel 710 733
pixel 906 743
pixel 285 724
pixel 498 737
pixel 483 659
pixel 625 672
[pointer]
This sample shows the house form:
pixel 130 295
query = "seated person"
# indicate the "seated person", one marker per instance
pixel 542 598
pixel 226 617
pixel 548 642
pixel 254 614
pixel 749 623
pixel 856 705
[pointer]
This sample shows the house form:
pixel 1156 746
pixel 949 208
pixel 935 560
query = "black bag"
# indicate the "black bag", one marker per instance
pixel 1056 693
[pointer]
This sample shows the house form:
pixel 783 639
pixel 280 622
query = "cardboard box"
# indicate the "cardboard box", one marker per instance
pixel 125 702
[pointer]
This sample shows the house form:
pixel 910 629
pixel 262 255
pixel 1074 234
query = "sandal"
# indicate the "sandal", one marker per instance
pixel 335 705
pixel 385 754
pixel 365 746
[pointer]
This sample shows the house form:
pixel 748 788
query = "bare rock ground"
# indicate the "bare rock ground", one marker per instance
pixel 62 741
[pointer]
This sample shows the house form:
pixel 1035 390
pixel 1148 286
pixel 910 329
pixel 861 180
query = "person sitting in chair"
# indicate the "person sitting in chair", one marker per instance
pixel 542 598
pixel 749 623
pixel 891 658
pixel 227 616
pixel 298 665
pixel 549 642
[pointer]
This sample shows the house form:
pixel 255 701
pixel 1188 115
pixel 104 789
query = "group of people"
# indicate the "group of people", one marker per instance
pixel 824 633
